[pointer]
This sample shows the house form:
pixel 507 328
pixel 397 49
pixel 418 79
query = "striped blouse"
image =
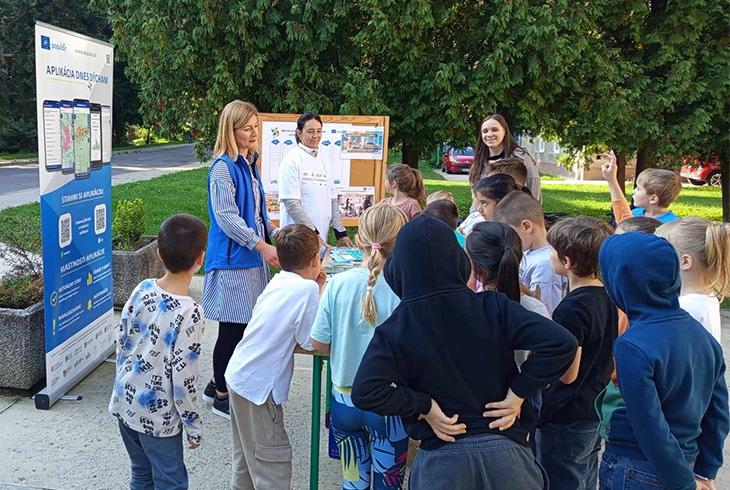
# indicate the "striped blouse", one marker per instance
pixel 229 295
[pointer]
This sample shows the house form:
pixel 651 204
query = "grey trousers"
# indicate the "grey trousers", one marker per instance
pixel 484 462
pixel 262 455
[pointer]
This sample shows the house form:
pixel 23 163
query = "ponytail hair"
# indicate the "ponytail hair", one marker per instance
pixel 377 231
pixel 717 250
pixel 708 243
pixel 495 251
pixel 409 181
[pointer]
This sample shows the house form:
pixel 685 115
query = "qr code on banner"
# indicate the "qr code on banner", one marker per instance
pixel 100 219
pixel 64 230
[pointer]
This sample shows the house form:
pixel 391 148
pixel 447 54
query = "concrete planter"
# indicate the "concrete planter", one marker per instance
pixel 23 353
pixel 131 267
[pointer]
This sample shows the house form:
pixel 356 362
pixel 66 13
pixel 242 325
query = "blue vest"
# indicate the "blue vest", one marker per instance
pixel 223 252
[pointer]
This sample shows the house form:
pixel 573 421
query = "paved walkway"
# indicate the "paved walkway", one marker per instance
pixel 76 445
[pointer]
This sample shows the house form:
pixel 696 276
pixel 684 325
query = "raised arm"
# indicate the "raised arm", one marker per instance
pixel 619 204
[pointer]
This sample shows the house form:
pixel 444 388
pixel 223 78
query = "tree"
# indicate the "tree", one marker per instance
pixel 188 63
pixel 655 85
pixel 17 65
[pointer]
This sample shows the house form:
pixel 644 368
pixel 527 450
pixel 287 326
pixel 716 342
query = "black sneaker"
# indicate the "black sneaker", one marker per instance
pixel 209 392
pixel 221 408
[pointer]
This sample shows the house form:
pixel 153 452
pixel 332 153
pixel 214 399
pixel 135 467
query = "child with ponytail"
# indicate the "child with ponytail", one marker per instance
pixel 406 186
pixel 495 251
pixel 704 262
pixel 373 448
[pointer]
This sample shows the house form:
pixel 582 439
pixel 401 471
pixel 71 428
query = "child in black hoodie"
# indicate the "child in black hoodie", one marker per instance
pixel 444 353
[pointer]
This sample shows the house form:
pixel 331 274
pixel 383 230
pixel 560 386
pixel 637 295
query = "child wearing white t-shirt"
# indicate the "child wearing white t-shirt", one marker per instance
pixel 704 263
pixel 260 371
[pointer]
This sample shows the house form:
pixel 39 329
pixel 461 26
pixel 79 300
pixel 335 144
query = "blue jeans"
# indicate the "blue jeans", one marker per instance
pixel 622 473
pixel 368 444
pixel 569 454
pixel 157 462
pixel 486 462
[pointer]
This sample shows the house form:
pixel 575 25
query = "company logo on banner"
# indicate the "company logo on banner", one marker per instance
pixel 74 75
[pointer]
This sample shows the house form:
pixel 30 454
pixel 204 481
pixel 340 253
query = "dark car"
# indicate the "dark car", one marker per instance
pixel 457 160
pixel 700 172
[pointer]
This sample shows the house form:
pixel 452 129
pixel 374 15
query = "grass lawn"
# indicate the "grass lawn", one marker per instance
pixel 184 192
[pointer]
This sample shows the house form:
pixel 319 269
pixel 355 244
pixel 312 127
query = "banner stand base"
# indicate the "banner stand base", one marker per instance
pixel 42 400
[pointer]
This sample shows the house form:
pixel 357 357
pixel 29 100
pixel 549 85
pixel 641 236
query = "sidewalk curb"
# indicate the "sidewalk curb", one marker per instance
pixel 124 151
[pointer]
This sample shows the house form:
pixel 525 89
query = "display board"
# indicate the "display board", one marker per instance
pixel 74 78
pixel 355 147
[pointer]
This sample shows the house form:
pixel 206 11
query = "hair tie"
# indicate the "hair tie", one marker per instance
pixel 376 246
pixel 370 288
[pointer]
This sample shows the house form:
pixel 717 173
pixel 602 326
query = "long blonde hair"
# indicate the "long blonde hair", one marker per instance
pixel 708 243
pixel 233 116
pixel 378 229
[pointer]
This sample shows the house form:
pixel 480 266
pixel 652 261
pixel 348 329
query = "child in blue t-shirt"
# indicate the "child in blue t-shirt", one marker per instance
pixel 353 304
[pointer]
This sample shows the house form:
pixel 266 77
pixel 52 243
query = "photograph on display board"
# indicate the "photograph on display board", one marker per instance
pixel 363 144
pixel 353 201
pixel 272 205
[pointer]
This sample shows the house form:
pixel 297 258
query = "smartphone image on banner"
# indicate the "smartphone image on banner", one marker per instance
pixel 82 138
pixel 106 134
pixel 95 134
pixel 67 137
pixel 52 134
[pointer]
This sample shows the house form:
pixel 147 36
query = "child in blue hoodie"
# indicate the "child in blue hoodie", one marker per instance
pixel 666 426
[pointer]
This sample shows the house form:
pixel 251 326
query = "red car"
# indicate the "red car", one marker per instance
pixel 700 172
pixel 457 161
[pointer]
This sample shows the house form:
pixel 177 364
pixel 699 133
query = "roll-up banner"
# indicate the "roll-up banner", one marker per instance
pixel 74 75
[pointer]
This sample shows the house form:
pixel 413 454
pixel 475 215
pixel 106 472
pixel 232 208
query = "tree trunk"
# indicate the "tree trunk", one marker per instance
pixel 149 133
pixel 644 156
pixel 724 155
pixel 411 154
pixel 621 171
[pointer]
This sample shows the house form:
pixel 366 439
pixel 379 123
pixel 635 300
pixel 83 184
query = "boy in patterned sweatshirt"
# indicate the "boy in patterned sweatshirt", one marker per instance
pixel 158 346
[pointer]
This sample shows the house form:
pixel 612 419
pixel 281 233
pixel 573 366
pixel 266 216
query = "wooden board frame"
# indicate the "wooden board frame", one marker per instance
pixel 365 173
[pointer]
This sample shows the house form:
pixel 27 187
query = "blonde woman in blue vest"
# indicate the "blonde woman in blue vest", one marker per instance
pixel 239 240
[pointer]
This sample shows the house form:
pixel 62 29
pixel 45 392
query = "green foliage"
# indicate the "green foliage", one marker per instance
pixel 128 223
pixel 17 66
pixel 20 292
pixel 22 284
pixel 435 67
pixel 654 81
pixel 17 135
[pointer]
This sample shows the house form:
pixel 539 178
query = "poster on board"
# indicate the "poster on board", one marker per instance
pixel 74 79
pixel 362 143
pixel 278 138
pixel 353 201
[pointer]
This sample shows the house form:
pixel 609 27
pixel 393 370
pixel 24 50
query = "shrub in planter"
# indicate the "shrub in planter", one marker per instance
pixel 128 224
pixel 22 331
pixel 134 257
